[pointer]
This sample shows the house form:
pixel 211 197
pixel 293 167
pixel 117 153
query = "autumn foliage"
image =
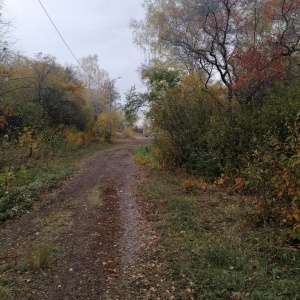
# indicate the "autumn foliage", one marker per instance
pixel 256 69
pixel 46 111
pixel 246 44
pixel 232 114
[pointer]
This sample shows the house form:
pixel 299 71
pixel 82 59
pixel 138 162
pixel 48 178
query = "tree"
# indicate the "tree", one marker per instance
pixel 6 56
pixel 17 96
pixel 113 118
pixel 39 93
pixel 222 37
pixel 96 82
pixel 62 97
pixel 6 53
pixel 158 77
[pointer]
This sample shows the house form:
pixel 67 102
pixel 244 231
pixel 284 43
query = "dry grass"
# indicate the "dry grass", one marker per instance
pixel 39 256
pixel 95 196
pixel 52 225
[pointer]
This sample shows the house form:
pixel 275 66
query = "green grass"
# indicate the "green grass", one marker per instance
pixel 22 181
pixel 145 155
pixel 209 247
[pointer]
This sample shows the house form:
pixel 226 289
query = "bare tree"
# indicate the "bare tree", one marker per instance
pixel 96 82
pixel 6 26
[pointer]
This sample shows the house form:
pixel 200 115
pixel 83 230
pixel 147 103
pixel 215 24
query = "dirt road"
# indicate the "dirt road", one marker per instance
pixel 81 240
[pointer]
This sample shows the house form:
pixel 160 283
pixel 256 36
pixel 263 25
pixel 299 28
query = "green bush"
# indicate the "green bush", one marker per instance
pixel 184 118
pixel 255 146
pixel 19 187
pixel 242 136
pixel 257 149
pixel 145 155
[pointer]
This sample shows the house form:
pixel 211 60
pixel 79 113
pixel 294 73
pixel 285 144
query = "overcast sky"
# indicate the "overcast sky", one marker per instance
pixel 89 27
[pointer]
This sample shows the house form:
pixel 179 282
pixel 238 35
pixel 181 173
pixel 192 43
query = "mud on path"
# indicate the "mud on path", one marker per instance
pixel 82 240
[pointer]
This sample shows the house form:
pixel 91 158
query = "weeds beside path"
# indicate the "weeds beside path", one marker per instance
pixel 211 245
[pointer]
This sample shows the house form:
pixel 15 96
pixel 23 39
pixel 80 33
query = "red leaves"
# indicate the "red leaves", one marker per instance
pixel 283 20
pixel 253 66
pixel 242 42
pixel 280 9
pixel 275 38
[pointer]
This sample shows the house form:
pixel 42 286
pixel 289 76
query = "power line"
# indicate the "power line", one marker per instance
pixel 59 33
pixel 65 41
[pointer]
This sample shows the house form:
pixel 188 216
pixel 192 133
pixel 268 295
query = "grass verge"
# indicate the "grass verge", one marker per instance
pixel 145 155
pixel 209 247
pixel 20 185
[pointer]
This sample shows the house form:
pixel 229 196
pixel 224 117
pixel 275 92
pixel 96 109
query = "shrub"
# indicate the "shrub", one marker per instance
pixel 257 149
pixel 128 132
pixel 105 122
pixel 73 137
pixel 14 194
pixel 184 118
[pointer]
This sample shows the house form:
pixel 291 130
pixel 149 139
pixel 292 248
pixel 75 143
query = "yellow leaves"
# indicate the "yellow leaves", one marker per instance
pixel 285 181
pixel 191 185
pixel 107 121
pixel 296 216
pixel 283 221
pixel 280 194
pixel 220 181
pixel 74 90
pixel 27 136
pixel 292 218
pixel 28 140
pixel 128 132
pixel 73 137
pixel 295 233
pixel 294 213
pixel 188 185
pixel 192 82
pixel 239 183
pixel 204 186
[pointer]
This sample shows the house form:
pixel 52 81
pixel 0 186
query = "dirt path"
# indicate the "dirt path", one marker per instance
pixel 87 234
